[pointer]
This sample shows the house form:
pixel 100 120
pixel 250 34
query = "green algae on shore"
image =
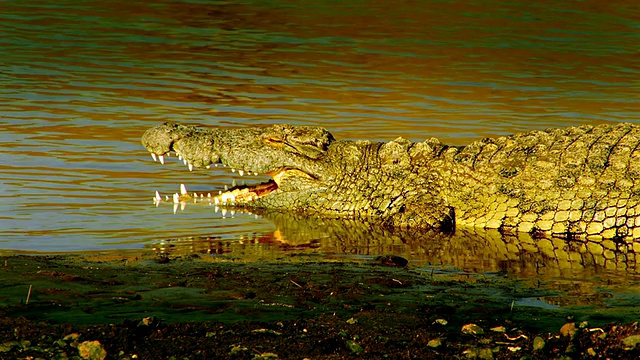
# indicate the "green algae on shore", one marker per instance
pixel 128 303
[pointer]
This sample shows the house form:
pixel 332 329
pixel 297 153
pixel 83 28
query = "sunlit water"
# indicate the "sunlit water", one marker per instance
pixel 81 81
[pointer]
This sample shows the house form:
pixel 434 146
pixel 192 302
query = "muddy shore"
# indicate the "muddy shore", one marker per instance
pixel 202 307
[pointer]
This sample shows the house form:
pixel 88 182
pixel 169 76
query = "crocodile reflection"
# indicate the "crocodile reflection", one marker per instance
pixel 470 250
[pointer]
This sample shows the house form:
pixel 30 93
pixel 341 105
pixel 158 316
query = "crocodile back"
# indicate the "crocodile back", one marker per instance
pixel 575 182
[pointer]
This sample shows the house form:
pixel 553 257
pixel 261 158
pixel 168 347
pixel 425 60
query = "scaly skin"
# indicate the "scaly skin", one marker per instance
pixel 573 183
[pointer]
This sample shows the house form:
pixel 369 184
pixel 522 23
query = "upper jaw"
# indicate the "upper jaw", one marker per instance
pixel 277 174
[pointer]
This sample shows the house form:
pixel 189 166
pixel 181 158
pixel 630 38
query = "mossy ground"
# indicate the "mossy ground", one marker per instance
pixel 201 307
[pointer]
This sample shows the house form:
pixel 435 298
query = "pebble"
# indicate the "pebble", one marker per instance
pixel 434 343
pixel 441 321
pixel 354 347
pixel 472 329
pixel 630 342
pixel 92 350
pixel 568 329
pixel 538 343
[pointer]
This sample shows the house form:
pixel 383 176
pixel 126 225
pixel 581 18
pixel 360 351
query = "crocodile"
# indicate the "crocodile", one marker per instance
pixel 573 183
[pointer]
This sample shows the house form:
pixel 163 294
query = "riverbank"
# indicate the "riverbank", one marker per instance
pixel 200 307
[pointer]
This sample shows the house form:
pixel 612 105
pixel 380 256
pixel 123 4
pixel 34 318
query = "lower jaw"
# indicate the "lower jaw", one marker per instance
pixel 237 196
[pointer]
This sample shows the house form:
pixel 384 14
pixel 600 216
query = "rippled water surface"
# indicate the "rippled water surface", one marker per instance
pixel 81 81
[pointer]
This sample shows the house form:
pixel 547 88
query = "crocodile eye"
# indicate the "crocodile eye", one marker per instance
pixel 274 141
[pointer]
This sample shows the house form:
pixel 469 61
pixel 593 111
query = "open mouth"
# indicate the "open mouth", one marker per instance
pixel 236 195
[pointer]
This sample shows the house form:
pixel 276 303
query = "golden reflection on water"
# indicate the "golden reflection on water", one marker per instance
pixel 469 250
pixel 567 272
pixel 82 83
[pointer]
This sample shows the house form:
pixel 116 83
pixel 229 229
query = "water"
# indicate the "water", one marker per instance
pixel 81 81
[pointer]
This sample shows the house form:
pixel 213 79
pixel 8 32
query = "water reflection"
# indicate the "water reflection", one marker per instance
pixel 468 250
pixel 552 272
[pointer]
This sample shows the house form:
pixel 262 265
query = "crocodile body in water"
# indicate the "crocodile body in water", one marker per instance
pixel 578 182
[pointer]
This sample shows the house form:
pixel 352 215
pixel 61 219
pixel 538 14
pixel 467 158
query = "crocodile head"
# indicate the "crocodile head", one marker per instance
pixel 294 158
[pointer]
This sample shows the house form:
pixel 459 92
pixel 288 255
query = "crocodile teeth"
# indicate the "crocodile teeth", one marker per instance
pixel 190 167
pixel 227 197
pixel 183 189
pixel 179 157
pixel 184 161
pixel 241 172
pixel 176 198
pixel 161 158
pixel 233 170
pixel 175 207
pixel 154 157
pixel 157 197
pixel 255 173
pixel 208 166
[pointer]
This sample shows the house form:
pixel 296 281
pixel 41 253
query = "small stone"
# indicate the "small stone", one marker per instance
pixel 591 352
pixel 434 343
pixel 472 329
pixel 538 343
pixel 352 321
pixel 92 350
pixel 148 321
pixel 630 342
pixel 499 329
pixel 441 322
pixel 354 347
pixel 568 329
